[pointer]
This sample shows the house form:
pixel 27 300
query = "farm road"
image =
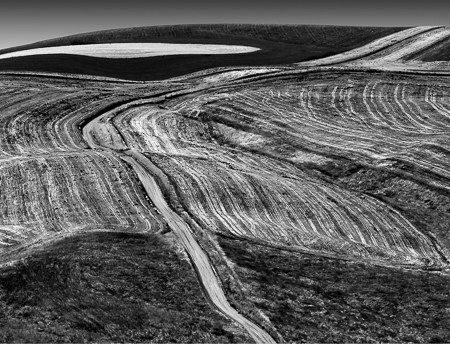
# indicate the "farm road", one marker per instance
pixel 208 278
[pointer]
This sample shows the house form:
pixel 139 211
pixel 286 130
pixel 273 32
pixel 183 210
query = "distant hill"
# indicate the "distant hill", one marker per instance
pixel 279 44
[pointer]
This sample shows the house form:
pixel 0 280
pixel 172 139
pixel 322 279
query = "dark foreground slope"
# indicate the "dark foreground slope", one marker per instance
pixel 118 287
pixel 315 299
pixel 279 44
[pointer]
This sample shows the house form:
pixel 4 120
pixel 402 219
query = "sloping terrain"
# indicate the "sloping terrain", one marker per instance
pixel 317 299
pixel 277 44
pixel 108 287
pixel 338 164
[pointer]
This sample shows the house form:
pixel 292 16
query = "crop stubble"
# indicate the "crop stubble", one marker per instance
pixel 273 156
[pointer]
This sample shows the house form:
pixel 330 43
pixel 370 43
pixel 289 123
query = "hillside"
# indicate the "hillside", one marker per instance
pixel 279 44
pixel 301 202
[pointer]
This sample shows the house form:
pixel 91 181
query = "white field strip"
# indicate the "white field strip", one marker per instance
pixel 135 50
pixel 371 47
pixel 393 58
pixel 409 46
pixel 236 74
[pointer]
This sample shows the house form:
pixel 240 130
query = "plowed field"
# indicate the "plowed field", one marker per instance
pixel 338 161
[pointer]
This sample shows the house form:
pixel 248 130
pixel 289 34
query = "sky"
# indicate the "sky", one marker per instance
pixel 29 21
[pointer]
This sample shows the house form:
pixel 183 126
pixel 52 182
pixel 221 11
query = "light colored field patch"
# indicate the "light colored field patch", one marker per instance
pixel 134 50
pixel 382 44
pixel 236 74
pixel 305 157
pixel 240 137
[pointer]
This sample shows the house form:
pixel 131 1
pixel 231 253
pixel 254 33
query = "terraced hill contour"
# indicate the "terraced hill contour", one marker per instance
pixel 344 157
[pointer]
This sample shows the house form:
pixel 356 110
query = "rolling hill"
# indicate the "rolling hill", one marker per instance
pixel 278 44
pixel 298 193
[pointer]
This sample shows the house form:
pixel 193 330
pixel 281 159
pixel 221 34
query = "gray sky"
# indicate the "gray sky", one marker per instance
pixel 28 21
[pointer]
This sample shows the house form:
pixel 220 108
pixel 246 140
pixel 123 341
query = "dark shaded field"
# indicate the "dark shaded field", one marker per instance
pixel 316 299
pixel 279 44
pixel 107 287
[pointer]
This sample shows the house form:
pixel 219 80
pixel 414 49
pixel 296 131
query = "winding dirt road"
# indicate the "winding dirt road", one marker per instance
pixel 208 277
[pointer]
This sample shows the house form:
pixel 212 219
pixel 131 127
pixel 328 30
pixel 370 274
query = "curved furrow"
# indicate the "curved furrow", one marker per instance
pixel 234 214
pixel 309 120
pixel 235 203
pixel 56 194
pixel 244 215
pixel 94 135
pixel 319 160
pixel 50 182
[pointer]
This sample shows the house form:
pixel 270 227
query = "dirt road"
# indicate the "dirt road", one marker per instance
pixel 208 277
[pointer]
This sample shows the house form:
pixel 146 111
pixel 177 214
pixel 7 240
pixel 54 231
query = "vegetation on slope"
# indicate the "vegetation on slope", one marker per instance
pixel 316 299
pixel 279 44
pixel 108 287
